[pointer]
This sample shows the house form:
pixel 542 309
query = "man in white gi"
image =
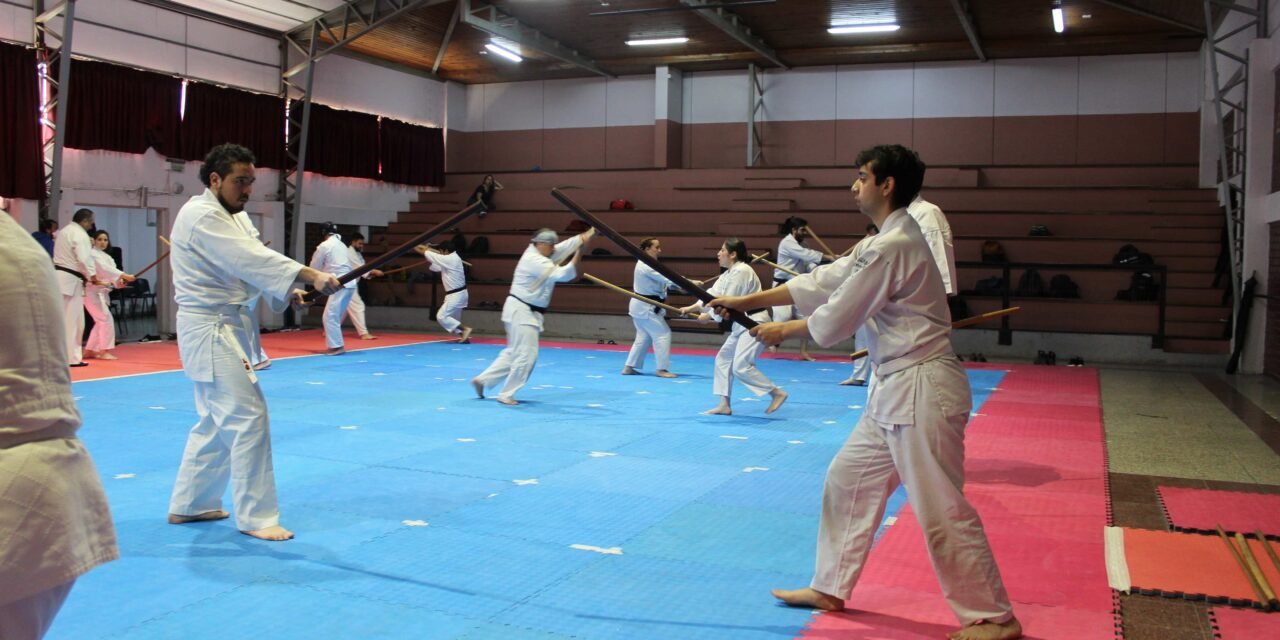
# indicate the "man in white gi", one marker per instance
pixel 534 280
pixel 446 261
pixel 650 321
pixel 75 267
pixel 793 255
pixel 54 521
pixel 332 257
pixel 217 266
pixel 861 366
pixel 937 234
pixel 257 354
pixel 912 430
pixel 355 309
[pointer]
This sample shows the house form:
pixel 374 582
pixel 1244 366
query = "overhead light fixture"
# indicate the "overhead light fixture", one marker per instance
pixel 1059 21
pixel 654 41
pixel 504 52
pixel 863 28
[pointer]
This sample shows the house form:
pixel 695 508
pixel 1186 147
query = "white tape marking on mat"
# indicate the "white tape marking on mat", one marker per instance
pixel 408 355
pixel 595 376
pixel 828 422
pixel 525 483
pixel 855 406
pixel 643 393
pixel 315 382
pixel 612 551
pixel 349 427
pixel 414 523
pixel 749 399
pixel 466 439
pixel 750 469
pixel 124 476
pixel 492 495
pixel 77 398
pixel 157 408
pixel 566 387
pixel 976 414
pixel 361 361
pixel 595 405
pixel 734 437
pixel 890 521
pixel 439 408
pixel 826 369
pixel 795 442
pixel 379 374
pixel 602 454
pixel 591 357
pixel 1117 564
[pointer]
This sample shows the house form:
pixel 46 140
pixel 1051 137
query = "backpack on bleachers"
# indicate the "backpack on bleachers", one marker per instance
pixel 1142 288
pixel 479 246
pixel 993 253
pixel 1062 286
pixel 1031 285
pixel 1129 255
pixel 992 286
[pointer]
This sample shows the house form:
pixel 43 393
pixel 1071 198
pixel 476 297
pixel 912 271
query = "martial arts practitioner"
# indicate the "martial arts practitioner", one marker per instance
pixel 257 354
pixel 97 299
pixel 650 320
pixel 532 284
pixel 72 260
pixel 54 522
pixel 332 257
pixel 446 261
pixel 355 310
pixel 737 356
pixel 861 366
pixel 216 268
pixel 937 234
pixel 793 255
pixel 912 430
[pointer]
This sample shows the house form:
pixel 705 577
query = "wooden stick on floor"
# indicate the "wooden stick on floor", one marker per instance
pixel 1256 570
pixel 1266 544
pixel 1235 553
pixel 959 324
pixel 641 298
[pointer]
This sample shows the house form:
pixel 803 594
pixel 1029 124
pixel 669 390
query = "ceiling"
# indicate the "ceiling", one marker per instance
pixel 793 32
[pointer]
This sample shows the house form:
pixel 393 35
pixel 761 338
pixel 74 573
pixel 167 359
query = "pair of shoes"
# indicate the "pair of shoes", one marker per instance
pixel 599 341
pixel 1046 357
pixel 611 342
pixel 976 357
pixel 78 364
pixel 1076 362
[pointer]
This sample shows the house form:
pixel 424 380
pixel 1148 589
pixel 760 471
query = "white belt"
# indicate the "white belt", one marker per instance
pixel 225 332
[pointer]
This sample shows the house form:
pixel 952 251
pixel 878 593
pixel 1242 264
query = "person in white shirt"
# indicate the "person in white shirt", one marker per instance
pixel 861 366
pixel 75 269
pixel 257 354
pixel 737 356
pixel 793 255
pixel 912 431
pixel 650 321
pixel 55 524
pixel 532 284
pixel 355 309
pixel 332 257
pixel 937 234
pixel 97 299
pixel 217 268
pixel 453 276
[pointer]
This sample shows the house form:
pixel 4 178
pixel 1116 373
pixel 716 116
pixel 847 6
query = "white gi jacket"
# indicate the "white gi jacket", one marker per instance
pixel 333 257
pixel 937 234
pixel 891 284
pixel 54 521
pixel 535 279
pixel 651 284
pixel 796 257
pixel 452 275
pixel 739 280
pixel 105 265
pixel 217 269
pixel 71 249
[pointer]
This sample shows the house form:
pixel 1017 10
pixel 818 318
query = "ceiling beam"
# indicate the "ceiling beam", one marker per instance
pixel 970 30
pixel 504 26
pixel 346 23
pixel 729 23
pixel 448 35
pixel 1146 13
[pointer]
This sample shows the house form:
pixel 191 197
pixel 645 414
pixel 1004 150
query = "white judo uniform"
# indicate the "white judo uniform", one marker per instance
pixel 331 257
pixel 71 256
pixel 650 320
pixel 257 354
pixel 912 431
pixel 937 234
pixel 798 258
pixel 456 297
pixel 54 521
pixel 737 356
pixel 355 308
pixel 532 284
pixel 97 301
pixel 217 269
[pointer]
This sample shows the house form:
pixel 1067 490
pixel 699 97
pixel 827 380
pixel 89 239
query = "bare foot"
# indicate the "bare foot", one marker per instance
pixel 809 599
pixel 989 631
pixel 336 351
pixel 479 387
pixel 510 402
pixel 89 354
pixel 203 517
pixel 722 410
pixel 265 364
pixel 628 371
pixel 466 336
pixel 853 383
pixel 273 534
pixel 666 374
pixel 808 357
pixel 368 336
pixel 106 355
pixel 779 396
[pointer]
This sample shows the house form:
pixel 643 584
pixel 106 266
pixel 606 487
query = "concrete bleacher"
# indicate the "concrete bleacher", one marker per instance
pixel 1090 212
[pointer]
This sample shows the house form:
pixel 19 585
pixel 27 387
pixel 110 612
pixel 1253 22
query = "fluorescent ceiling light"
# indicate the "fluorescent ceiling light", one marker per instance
pixel 1059 23
pixel 863 28
pixel 652 41
pixel 504 52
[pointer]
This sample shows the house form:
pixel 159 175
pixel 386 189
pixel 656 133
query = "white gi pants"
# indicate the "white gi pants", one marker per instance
pixel 103 335
pixel 231 441
pixel 334 309
pixel 355 311
pixel 784 313
pixel 31 617
pixel 73 311
pixel 861 366
pixel 737 357
pixel 515 363
pixel 256 353
pixel 651 329
pixel 927 457
pixel 449 315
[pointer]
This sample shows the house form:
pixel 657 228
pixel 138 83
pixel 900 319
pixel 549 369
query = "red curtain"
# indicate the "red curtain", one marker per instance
pixel 412 154
pixel 21 166
pixel 341 143
pixel 121 109
pixel 216 116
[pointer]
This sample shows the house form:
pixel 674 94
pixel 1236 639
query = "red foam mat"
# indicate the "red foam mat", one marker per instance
pixel 1205 509
pixel 1244 624
pixel 1036 472
pixel 1191 565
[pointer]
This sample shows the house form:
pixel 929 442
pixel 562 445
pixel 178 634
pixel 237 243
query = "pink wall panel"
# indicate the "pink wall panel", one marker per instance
pixel 715 146
pixel 1121 139
pixel 573 148
pixel 668 149
pixel 954 141
pixel 512 150
pixel 464 152
pixel 1182 138
pixel 800 143
pixel 630 147
pixel 1030 140
pixel 853 136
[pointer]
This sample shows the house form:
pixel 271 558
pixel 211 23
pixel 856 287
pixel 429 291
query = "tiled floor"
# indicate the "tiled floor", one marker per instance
pixel 1199 429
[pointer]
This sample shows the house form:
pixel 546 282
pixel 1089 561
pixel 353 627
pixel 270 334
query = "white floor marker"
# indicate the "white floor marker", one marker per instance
pixel 525 483
pixel 612 551
pixel 124 476
pixel 601 454
pixel 750 469
pixel 466 439
pixel 414 523
pixel 734 437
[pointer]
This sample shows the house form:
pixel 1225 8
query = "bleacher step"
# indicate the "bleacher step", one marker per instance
pixel 773 183
pixel 762 204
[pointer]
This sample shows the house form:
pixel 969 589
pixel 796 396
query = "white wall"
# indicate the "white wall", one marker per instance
pixel 15 22
pixel 552 104
pixel 345 83
pixel 1261 206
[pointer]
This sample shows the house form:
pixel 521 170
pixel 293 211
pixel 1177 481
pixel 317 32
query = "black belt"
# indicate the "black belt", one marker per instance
pixel 531 306
pixel 779 281
pixel 71 271
pixel 464 288
pixel 656 308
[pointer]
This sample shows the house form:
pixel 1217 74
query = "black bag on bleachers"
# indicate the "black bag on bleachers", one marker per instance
pixel 1128 255
pixel 993 253
pixel 992 286
pixel 1142 288
pixel 459 242
pixel 479 246
pixel 1031 285
pixel 1062 286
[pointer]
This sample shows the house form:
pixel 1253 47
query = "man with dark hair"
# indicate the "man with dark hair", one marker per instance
pixel 75 266
pixel 217 268
pixel 912 431
pixel 650 321
pixel 355 308
pixel 794 256
pixel 332 257
pixel 45 236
